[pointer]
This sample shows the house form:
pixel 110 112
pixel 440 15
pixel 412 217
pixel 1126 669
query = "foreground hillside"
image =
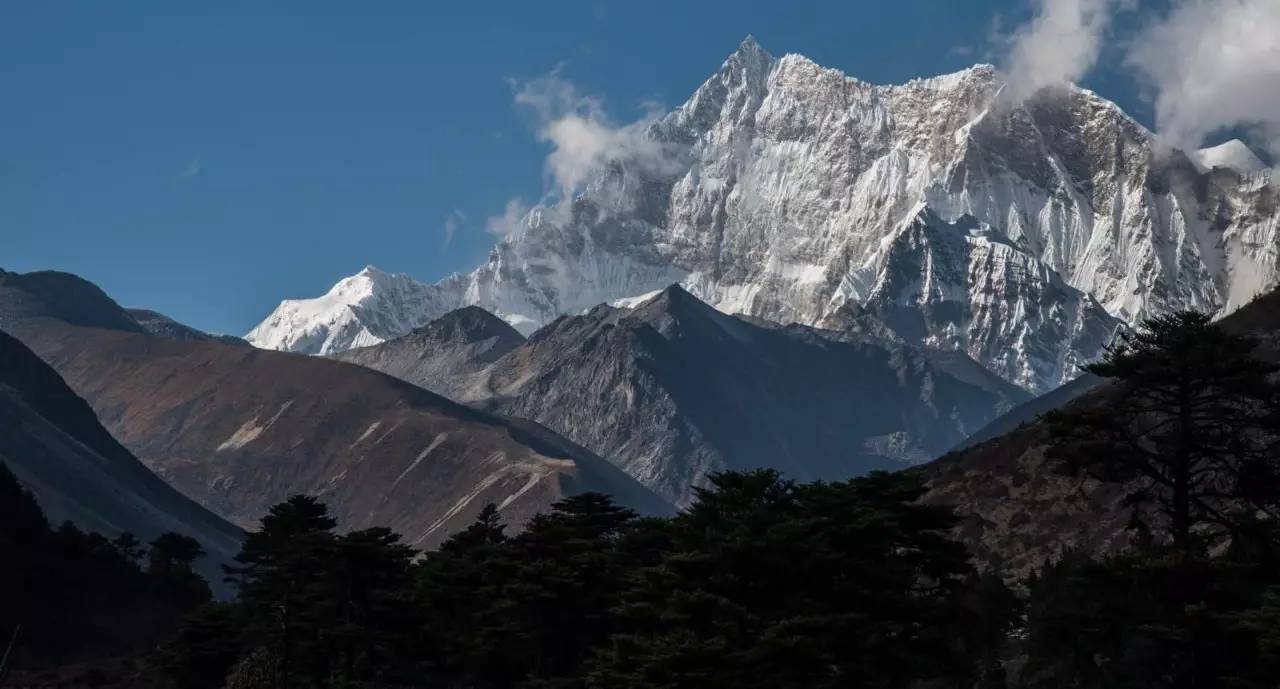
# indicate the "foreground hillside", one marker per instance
pixel 1021 506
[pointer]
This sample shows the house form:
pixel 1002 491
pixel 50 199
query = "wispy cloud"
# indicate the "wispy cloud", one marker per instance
pixel 451 223
pixel 508 221
pixel 1059 45
pixel 1210 66
pixel 583 137
pixel 1207 65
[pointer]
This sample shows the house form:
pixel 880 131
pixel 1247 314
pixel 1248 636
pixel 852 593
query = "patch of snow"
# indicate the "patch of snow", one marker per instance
pixel 250 430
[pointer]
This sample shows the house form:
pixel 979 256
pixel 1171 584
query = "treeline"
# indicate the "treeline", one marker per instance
pixel 762 583
pixel 67 595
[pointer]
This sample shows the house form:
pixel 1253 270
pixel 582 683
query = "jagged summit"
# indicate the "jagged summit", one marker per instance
pixel 470 324
pixel 750 46
pixel 674 298
pixel 785 190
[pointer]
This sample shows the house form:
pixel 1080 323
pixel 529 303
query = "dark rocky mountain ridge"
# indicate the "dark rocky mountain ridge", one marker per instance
pixel 673 390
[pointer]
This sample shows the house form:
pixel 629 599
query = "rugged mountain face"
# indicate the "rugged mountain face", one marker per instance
pixel 54 444
pixel 445 355
pixel 1016 232
pixel 1020 508
pixel 240 429
pixel 673 390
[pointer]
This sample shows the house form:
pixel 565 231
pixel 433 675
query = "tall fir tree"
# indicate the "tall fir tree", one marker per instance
pixel 1193 424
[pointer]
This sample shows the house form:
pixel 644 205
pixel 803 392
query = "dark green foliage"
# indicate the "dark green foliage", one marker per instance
pixel 1194 424
pixel 78 595
pixel 769 584
pixel 1152 620
pixel 205 648
pixel 169 565
pixel 282 566
pixel 761 584
pixel 325 609
pixel 129 546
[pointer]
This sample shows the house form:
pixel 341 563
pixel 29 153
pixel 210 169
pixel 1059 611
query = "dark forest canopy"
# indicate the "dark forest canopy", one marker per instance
pixel 761 583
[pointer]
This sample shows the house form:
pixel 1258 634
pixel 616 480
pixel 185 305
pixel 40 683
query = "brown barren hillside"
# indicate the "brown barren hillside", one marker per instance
pixel 241 429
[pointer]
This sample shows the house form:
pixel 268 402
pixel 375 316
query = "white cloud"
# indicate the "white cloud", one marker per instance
pixel 508 221
pixel 1059 45
pixel 582 136
pixel 1212 65
pixel 451 223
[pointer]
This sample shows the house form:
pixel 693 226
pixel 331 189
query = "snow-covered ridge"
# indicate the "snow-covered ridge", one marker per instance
pixel 1016 232
pixel 369 307
pixel 1233 155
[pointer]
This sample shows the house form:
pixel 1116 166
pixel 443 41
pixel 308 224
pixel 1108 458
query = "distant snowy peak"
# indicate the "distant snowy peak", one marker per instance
pixel 364 309
pixel 1234 155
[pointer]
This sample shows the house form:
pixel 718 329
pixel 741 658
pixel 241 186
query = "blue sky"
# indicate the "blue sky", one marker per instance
pixel 208 159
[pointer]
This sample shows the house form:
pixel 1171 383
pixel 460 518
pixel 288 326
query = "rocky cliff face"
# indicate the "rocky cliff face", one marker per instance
pixel 1021 233
pixel 673 390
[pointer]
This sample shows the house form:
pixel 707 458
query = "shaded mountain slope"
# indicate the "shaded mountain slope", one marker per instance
pixel 161 325
pixel 54 444
pixel 1031 410
pixel 674 390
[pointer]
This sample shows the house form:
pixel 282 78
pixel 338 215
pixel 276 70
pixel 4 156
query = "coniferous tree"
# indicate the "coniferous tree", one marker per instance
pixel 769 584
pixel 1193 423
pixel 205 648
pixel 129 546
pixel 170 565
pixel 281 571
pixel 370 628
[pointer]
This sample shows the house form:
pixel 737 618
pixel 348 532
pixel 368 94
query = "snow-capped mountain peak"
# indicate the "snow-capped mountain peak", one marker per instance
pixel 1018 232
pixel 363 309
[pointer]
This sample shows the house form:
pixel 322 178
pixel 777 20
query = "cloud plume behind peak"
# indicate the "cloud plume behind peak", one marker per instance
pixel 1211 66
pixel 1060 44
pixel 583 138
